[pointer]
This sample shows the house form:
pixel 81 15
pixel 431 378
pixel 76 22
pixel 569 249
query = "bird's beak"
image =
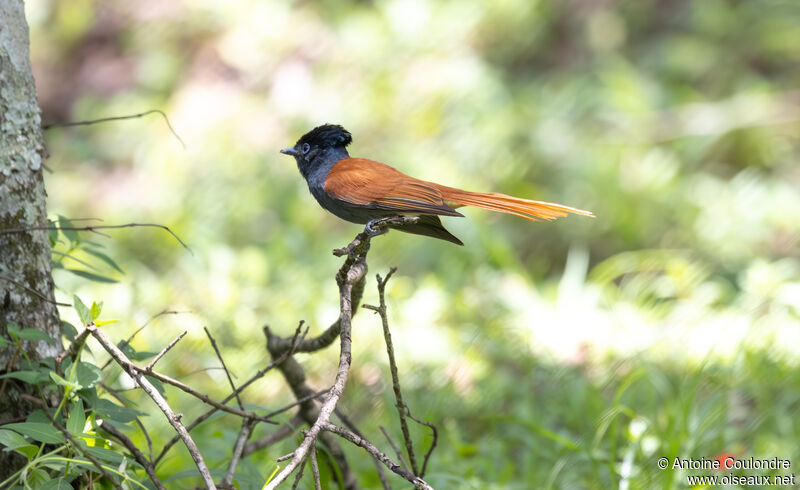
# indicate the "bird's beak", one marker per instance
pixel 290 151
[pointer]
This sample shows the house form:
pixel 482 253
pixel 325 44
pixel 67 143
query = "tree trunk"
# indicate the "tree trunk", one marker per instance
pixel 26 285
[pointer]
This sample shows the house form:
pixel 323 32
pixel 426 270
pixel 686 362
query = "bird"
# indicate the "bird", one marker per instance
pixel 364 191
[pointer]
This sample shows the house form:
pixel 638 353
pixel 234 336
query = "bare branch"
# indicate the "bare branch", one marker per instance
pixel 398 394
pixel 32 291
pixel 81 449
pixel 73 348
pixel 395 448
pixel 378 465
pixel 137 455
pixel 354 268
pixel 166 349
pixel 224 367
pixel 238 448
pixel 138 420
pixel 202 418
pixel 315 467
pixel 116 118
pixel 285 431
pixel 128 341
pixel 278 344
pixel 172 417
pixel 200 396
pixel 434 435
pixel 97 227
pixel 299 475
pixel 299 401
pixel 376 453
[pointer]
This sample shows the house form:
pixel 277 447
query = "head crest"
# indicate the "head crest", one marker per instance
pixel 327 135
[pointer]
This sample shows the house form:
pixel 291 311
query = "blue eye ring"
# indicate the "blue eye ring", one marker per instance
pixel 306 148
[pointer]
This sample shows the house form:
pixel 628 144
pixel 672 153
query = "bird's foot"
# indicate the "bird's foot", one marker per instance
pixel 376 226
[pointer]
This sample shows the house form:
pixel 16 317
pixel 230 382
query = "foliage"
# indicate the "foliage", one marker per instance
pixel 66 445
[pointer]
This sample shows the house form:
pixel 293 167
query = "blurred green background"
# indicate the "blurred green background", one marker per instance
pixel 569 354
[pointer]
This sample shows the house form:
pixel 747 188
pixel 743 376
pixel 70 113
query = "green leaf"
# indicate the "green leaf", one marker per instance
pixel 33 335
pixel 38 477
pixel 38 431
pixel 88 374
pixel 53 234
pixel 63 382
pixel 38 416
pixel 30 451
pixel 71 235
pixel 157 385
pixel 30 377
pixel 12 440
pixel 91 276
pixel 77 418
pixel 13 330
pixel 83 311
pixel 141 355
pixel 57 484
pixel 133 354
pixel 96 309
pixel 70 332
pixel 105 258
pixel 100 323
pixel 104 454
pixel 72 257
pixel 115 412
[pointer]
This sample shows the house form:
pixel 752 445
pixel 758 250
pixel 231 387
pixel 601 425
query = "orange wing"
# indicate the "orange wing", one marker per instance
pixel 376 185
pixel 369 183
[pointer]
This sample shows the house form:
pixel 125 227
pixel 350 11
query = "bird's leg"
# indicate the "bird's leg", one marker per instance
pixel 379 226
pixel 376 226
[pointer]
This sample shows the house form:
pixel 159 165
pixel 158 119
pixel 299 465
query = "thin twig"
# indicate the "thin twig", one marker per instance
pixel 73 348
pixel 354 268
pixel 138 420
pixel 82 450
pixel 172 417
pixel 128 341
pixel 435 439
pixel 378 465
pixel 32 291
pixel 202 418
pixel 295 376
pixel 200 396
pixel 315 467
pixel 137 455
pixel 97 227
pixel 326 338
pixel 116 118
pixel 224 367
pixel 285 431
pixel 166 349
pixel 376 453
pixel 238 448
pixel 299 401
pixel 395 448
pixel 398 394
pixel 299 475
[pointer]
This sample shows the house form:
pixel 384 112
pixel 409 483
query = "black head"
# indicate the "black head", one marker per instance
pixel 318 142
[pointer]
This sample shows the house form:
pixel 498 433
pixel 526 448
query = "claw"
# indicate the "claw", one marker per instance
pixel 371 228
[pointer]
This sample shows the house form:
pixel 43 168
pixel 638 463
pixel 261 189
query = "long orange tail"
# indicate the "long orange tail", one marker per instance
pixel 524 208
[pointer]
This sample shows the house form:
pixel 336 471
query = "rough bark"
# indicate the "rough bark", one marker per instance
pixel 26 283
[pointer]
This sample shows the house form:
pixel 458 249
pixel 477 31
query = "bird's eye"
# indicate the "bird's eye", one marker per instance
pixel 306 148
